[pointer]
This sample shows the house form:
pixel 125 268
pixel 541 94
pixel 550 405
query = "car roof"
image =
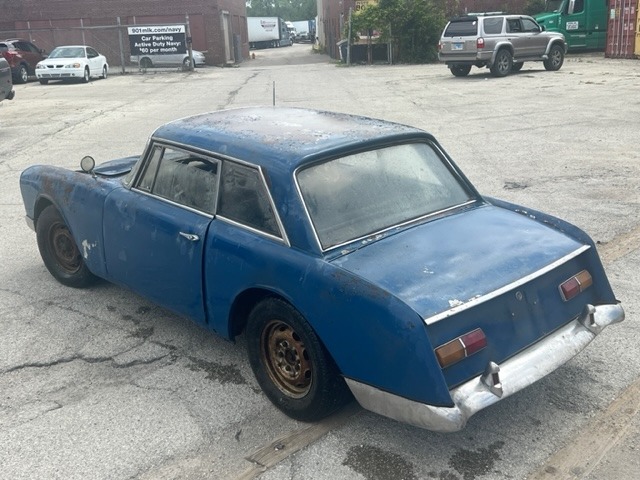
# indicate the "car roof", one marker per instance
pixel 282 136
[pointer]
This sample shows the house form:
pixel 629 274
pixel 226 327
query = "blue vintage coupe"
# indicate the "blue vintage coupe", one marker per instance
pixel 353 254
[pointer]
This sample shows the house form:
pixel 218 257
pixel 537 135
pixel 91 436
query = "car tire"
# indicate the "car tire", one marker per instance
pixel 22 74
pixel 460 70
pixel 186 64
pixel 146 63
pixel 87 75
pixel 290 363
pixel 43 81
pixel 516 66
pixel 105 72
pixel 59 251
pixel 502 65
pixel 556 58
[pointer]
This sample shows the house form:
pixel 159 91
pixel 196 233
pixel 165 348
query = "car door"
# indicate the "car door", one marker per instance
pixel 93 57
pixel 536 42
pixel 155 232
pixel 517 38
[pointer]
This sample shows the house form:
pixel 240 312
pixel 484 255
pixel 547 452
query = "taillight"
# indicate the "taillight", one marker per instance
pixel 461 347
pixel 480 43
pixel 575 285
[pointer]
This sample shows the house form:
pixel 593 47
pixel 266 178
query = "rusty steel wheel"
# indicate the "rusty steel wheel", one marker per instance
pixel 286 359
pixel 59 251
pixel 293 368
pixel 64 248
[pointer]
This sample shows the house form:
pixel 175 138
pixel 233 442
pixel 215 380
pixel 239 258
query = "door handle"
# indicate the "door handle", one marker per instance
pixel 190 236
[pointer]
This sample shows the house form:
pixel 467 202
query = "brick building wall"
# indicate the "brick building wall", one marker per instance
pixel 218 27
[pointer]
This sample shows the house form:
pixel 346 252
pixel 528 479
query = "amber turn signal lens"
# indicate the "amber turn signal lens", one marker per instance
pixel 461 347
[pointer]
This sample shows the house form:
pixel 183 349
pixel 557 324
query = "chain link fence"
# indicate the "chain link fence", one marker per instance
pixel 112 41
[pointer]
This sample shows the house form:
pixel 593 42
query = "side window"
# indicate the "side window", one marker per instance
pixel 244 198
pixel 529 25
pixel 514 26
pixel 493 25
pixel 181 177
pixel 578 6
pixel 91 53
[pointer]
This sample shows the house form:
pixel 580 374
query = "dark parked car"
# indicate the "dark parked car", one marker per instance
pixel 352 252
pixel 6 85
pixel 23 56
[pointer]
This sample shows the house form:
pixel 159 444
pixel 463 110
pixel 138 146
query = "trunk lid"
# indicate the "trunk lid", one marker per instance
pixel 488 268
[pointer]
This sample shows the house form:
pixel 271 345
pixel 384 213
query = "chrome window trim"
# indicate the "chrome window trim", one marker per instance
pixel 489 296
pixel 254 230
pixel 219 158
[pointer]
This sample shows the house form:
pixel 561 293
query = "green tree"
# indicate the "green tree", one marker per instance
pixel 413 26
pixel 288 9
pixel 534 7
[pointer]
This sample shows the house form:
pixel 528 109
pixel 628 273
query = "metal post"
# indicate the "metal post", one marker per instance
pixel 84 40
pixel 349 40
pixel 120 41
pixel 189 46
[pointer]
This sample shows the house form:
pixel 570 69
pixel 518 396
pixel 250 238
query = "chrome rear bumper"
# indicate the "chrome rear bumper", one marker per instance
pixel 498 381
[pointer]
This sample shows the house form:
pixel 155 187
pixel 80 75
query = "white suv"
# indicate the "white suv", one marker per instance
pixel 500 42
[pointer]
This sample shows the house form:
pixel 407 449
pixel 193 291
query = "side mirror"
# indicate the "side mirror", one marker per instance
pixel 87 164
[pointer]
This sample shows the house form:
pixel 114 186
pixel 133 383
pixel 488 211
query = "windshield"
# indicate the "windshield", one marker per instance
pixel 67 52
pixel 355 196
pixel 553 5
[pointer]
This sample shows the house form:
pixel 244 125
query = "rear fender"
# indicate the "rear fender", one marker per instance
pixel 498 47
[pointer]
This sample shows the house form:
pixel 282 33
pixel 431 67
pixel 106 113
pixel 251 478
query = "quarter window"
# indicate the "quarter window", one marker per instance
pixel 493 25
pixel 244 198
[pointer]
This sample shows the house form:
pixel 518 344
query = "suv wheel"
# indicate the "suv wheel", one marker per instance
pixel 22 74
pixel 556 58
pixel 503 63
pixel 460 70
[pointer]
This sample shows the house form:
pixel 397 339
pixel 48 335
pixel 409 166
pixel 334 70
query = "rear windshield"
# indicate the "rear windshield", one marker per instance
pixel 462 28
pixel 357 195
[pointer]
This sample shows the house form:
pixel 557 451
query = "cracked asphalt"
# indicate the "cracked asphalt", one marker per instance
pixel 102 384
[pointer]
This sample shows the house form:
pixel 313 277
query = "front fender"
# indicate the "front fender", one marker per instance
pixel 79 197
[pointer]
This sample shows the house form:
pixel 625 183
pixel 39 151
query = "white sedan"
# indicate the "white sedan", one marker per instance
pixel 72 62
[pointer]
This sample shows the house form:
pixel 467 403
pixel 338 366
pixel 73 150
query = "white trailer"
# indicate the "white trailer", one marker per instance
pixel 267 32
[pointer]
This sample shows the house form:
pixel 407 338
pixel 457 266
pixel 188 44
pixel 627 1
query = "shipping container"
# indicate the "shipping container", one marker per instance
pixel 621 31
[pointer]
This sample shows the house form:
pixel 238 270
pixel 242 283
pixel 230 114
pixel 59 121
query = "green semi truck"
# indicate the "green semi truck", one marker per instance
pixel 583 22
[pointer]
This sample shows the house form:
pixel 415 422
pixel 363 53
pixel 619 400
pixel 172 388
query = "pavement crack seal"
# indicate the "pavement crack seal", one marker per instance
pixel 593 442
pixel 282 447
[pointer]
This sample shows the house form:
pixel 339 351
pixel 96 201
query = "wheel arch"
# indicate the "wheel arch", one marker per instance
pixel 41 203
pixel 242 305
pixel 501 46
pixel 245 302
pixel 556 41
